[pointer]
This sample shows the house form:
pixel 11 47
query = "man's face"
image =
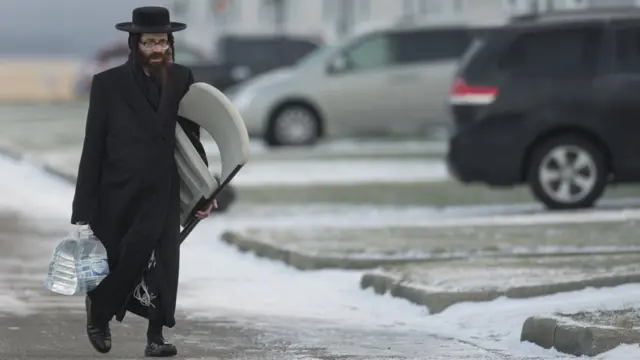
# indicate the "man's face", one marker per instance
pixel 154 49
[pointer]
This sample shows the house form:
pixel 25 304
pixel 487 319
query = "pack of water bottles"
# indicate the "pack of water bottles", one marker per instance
pixel 78 263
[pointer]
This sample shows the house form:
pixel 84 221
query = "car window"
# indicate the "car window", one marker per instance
pixel 317 56
pixel 627 55
pixel 114 61
pixel 296 49
pixel 371 53
pixel 554 51
pixel 263 53
pixel 185 57
pixel 432 45
pixel 248 50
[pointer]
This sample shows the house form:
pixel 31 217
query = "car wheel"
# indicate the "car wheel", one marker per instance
pixel 293 125
pixel 567 172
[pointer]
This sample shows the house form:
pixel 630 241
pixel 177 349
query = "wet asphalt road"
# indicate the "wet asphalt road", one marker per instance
pixel 35 324
pixel 59 335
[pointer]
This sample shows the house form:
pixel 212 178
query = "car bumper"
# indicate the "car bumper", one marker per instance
pixel 490 158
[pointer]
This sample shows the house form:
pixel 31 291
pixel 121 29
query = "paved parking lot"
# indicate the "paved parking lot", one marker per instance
pixel 392 195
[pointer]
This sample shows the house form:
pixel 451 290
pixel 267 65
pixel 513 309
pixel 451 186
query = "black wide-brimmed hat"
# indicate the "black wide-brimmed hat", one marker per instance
pixel 149 20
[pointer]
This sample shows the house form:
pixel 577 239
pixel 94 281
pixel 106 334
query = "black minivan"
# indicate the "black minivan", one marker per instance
pixel 553 101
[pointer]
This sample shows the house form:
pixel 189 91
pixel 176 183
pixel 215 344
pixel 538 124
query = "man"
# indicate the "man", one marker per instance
pixel 127 189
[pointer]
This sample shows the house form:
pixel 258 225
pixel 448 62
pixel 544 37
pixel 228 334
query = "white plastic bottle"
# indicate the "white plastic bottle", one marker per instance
pixel 91 261
pixel 62 277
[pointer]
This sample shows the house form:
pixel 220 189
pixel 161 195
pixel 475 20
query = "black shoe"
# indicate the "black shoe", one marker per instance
pixel 160 348
pixel 99 336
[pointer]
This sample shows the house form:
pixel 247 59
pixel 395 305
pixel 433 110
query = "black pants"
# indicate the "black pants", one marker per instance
pixel 156 321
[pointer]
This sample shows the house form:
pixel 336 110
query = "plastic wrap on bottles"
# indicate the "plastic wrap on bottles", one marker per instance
pixel 91 261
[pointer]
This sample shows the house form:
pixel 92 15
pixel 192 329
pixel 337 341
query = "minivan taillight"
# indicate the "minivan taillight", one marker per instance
pixel 464 94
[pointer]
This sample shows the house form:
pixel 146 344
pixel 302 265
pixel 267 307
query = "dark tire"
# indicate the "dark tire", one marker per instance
pixel 581 177
pixel 293 125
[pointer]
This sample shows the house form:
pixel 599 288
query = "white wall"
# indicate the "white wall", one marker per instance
pixel 484 12
pixel 200 20
pixel 321 17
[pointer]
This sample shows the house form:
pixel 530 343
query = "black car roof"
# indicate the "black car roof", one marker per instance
pixel 577 16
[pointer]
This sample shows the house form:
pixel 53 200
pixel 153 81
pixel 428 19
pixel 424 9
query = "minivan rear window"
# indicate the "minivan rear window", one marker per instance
pixel 476 64
pixel 477 44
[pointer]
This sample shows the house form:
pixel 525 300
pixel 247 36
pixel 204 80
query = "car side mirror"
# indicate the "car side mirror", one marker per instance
pixel 338 65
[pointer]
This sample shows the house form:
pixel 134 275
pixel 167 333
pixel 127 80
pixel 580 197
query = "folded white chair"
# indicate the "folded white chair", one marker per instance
pixel 211 109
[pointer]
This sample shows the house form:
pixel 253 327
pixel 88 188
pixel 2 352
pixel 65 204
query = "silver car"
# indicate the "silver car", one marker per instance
pixel 391 81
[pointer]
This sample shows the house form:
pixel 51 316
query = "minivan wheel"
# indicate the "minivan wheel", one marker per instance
pixel 567 172
pixel 293 125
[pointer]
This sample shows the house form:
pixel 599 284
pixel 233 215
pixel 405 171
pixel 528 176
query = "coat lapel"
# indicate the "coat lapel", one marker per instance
pixel 137 101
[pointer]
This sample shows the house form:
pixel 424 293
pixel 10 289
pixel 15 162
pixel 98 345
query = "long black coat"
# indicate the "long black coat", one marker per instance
pixel 128 186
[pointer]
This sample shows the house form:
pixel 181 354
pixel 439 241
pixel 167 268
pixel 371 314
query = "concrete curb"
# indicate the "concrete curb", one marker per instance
pixel 575 339
pixel 306 261
pixel 302 261
pixel 438 301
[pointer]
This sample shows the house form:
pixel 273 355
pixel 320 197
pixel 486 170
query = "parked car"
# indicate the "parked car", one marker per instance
pixel 392 80
pixel 117 54
pixel 241 57
pixel 553 101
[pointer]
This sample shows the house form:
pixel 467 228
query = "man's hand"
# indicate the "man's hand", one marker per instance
pixel 207 211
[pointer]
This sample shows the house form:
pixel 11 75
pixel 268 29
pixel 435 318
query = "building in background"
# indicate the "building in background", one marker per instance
pixel 325 19
pixel 528 6
pixel 334 19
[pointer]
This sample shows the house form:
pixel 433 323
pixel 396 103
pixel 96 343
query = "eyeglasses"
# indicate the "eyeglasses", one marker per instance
pixel 150 44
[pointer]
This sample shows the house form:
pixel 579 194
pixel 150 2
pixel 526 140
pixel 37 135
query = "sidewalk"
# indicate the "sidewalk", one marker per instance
pixel 61 336
pixel 40 325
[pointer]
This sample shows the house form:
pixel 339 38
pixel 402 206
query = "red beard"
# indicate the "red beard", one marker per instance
pixel 150 62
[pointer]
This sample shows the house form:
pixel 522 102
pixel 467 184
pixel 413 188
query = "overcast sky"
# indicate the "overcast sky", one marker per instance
pixel 63 27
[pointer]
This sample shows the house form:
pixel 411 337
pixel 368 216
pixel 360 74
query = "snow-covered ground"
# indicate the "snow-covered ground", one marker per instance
pixel 304 172
pixel 216 280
